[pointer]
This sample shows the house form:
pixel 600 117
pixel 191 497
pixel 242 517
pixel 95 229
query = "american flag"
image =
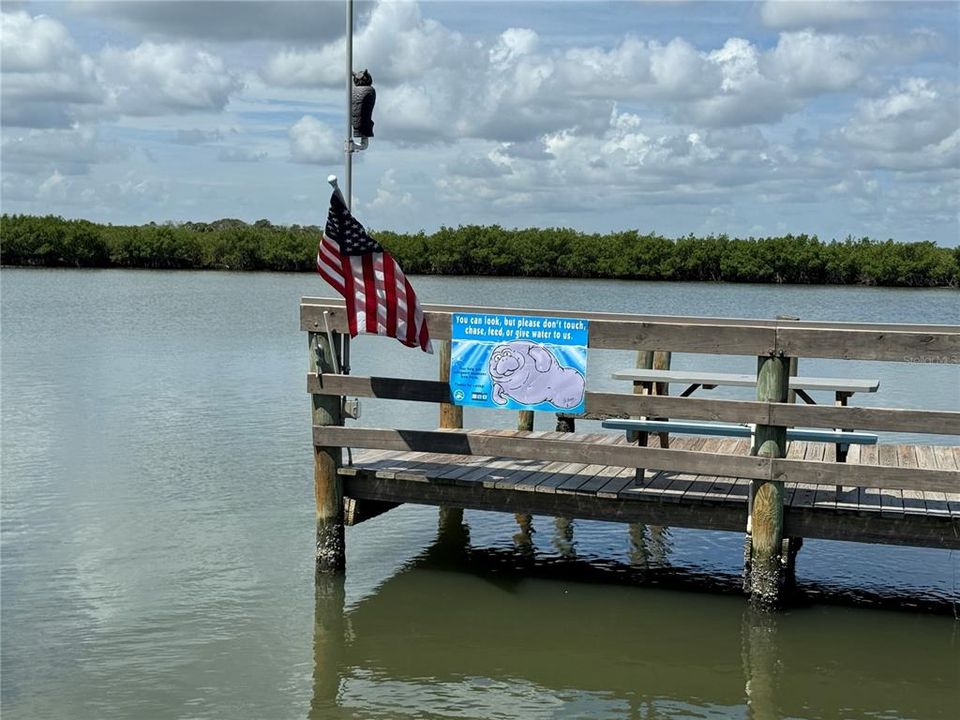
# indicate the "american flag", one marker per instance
pixel 379 298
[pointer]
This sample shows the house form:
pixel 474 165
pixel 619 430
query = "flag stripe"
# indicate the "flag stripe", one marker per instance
pixel 370 292
pixel 348 294
pixel 390 285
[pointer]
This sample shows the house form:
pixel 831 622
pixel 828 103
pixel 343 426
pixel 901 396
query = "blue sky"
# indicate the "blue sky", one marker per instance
pixel 746 118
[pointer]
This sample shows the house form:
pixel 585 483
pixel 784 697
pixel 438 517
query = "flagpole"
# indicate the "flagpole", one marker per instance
pixel 348 145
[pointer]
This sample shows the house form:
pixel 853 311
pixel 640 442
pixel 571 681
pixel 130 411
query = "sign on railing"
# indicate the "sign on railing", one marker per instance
pixel 518 362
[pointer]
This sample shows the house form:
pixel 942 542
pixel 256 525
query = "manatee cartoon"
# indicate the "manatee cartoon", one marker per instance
pixel 530 374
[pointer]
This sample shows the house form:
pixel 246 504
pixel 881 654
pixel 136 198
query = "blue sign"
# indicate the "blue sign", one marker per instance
pixel 518 362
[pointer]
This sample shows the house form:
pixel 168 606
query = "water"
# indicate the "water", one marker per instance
pixel 157 533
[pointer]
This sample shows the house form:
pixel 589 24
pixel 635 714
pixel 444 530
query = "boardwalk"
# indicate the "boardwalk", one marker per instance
pixel 880 515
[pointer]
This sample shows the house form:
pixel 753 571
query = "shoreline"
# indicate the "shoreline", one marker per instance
pixel 486 251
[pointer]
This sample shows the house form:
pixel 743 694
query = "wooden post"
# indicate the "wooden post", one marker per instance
pixel 794 362
pixel 765 573
pixel 327 486
pixel 644 362
pixel 525 420
pixel 451 418
pixel 661 361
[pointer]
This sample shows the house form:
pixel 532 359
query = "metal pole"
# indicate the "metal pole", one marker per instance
pixel 348 146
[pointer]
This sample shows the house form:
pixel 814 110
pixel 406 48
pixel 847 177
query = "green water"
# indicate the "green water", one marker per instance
pixel 156 534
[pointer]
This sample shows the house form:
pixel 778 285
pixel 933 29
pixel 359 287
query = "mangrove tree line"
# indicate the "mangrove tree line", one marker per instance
pixel 485 250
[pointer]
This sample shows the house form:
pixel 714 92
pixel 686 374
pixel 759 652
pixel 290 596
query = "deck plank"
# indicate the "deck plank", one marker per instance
pixel 913 500
pixel 948 460
pixel 806 493
pixel 869 498
pixel 891 501
pixel 936 502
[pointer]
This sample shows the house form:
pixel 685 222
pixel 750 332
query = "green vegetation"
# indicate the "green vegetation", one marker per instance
pixel 476 250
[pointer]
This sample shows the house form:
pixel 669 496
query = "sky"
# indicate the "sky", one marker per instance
pixel 747 118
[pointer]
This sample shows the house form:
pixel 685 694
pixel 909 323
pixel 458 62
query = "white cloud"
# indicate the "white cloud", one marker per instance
pixel 793 14
pixel 312 141
pixel 66 151
pixel 45 76
pixel 390 195
pixel 155 79
pixel 811 63
pixel 435 86
pixel 915 126
pixel 397 43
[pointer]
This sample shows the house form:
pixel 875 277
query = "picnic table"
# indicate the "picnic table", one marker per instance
pixel 843 389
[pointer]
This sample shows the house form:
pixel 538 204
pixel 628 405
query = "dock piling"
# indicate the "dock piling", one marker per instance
pixel 766 574
pixel 327 483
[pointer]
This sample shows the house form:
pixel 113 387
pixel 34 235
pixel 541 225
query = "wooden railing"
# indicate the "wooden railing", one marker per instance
pixel 774 342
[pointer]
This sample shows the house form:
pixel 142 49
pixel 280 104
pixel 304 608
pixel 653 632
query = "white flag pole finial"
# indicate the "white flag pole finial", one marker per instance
pixel 332 179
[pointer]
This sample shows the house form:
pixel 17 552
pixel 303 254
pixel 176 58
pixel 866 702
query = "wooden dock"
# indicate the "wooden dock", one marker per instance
pixel 775 491
pixel 676 499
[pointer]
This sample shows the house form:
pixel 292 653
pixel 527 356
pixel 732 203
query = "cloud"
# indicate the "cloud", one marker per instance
pixel 389 194
pixel 49 83
pixel 915 126
pixel 68 152
pixel 156 79
pixel 45 76
pixel 396 42
pixel 312 141
pixel 296 20
pixel 628 163
pixel 437 87
pixel 794 14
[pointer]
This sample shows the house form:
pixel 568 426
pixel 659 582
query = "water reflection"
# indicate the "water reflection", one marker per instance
pixel 650 545
pixel 491 633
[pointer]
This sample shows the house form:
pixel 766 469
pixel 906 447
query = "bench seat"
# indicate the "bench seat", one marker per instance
pixel 735 430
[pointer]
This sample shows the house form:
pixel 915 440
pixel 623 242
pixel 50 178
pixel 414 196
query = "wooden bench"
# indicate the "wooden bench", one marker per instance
pixel 637 430
pixel 634 427
pixel 843 388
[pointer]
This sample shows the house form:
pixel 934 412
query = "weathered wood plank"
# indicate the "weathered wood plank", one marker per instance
pixel 892 478
pixel 909 530
pixel 461 443
pixel 806 493
pixel 935 502
pixel 684 461
pixel 875 527
pixel 358 511
pixel 608 405
pixel 891 500
pixel 913 500
pixel 321 303
pixel 869 498
pixel 723 337
pixel 612 488
pixel 902 346
pixel 946 460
